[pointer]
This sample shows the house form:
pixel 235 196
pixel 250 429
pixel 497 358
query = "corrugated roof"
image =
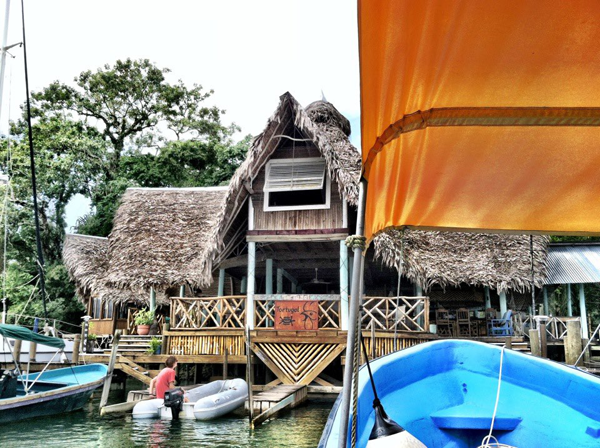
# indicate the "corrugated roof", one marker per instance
pixel 573 264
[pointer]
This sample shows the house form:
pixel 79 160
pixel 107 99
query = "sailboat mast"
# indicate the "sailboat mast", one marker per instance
pixel 38 240
pixel 3 57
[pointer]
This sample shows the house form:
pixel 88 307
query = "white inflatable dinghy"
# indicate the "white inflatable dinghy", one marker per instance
pixel 205 402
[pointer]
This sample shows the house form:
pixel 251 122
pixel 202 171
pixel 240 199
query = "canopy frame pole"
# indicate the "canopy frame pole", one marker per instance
pixel 355 299
pixel 27 389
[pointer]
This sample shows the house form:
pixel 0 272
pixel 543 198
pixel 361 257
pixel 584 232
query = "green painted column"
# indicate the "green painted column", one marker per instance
pixel 182 291
pixel 269 278
pixel 294 288
pixel 250 285
pixel 583 312
pixel 503 305
pixel 279 281
pixel 546 306
pixel 344 285
pixel 488 299
pixel 569 301
pixel 152 299
pixel 244 285
pixel 221 291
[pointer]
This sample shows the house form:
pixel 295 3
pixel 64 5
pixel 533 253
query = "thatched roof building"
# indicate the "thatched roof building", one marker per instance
pixel 86 259
pixel 501 262
pixel 161 237
pixel 321 123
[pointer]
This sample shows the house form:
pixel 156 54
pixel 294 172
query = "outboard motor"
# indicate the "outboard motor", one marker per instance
pixel 8 384
pixel 174 400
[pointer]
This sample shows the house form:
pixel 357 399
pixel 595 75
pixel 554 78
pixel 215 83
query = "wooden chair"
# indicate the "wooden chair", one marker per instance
pixel 490 314
pixel 443 323
pixel 504 326
pixel 463 323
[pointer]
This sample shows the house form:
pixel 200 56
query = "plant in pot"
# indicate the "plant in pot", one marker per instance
pixel 91 342
pixel 154 348
pixel 143 320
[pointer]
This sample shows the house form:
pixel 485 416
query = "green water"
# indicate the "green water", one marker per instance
pixel 299 428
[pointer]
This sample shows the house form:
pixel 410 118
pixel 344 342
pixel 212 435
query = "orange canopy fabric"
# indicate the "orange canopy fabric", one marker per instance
pixel 481 115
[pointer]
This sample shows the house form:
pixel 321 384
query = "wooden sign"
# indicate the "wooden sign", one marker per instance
pixel 298 315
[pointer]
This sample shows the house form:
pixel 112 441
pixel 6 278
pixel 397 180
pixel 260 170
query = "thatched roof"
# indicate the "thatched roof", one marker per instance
pixel 322 123
pixel 86 259
pixel 160 237
pixel 501 262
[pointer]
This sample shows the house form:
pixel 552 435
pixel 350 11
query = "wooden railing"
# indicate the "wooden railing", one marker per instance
pixel 556 326
pixel 329 309
pixel 132 327
pixel 391 313
pixel 207 312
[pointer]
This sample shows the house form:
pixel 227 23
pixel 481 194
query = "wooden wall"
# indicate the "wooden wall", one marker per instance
pixel 297 219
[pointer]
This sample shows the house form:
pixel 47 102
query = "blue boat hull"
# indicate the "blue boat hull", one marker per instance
pixel 444 393
pixel 55 392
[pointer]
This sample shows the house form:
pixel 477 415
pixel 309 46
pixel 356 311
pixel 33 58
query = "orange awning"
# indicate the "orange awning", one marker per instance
pixel 481 115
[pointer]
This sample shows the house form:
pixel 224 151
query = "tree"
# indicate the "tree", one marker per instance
pixel 119 126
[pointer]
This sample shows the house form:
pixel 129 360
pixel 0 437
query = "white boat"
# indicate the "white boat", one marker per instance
pixel 44 353
pixel 206 402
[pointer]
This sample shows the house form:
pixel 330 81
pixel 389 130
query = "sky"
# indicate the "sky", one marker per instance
pixel 248 52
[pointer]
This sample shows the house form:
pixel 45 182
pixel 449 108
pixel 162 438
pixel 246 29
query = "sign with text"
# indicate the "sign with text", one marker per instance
pixel 297 315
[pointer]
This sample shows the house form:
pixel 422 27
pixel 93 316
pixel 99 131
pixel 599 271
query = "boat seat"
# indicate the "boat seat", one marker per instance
pixel 471 417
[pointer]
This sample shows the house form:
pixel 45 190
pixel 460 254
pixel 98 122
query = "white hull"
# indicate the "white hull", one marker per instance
pixel 43 352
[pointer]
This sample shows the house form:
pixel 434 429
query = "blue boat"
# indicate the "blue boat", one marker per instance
pixel 28 395
pixel 444 394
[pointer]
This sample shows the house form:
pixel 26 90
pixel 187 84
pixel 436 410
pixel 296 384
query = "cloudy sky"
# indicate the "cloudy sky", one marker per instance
pixel 248 52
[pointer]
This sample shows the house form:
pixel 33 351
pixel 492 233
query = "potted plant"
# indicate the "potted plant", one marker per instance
pixel 154 348
pixel 91 342
pixel 143 320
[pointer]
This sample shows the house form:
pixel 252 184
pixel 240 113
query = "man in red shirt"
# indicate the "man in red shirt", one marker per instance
pixel 165 379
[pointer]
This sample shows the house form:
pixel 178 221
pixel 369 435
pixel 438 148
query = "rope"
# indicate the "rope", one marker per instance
pixel 356 241
pixel 355 365
pixel 487 440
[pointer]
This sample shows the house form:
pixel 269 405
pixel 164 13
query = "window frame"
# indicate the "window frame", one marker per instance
pixel 282 208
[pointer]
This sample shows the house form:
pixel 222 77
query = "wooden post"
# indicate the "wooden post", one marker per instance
pixel 573 345
pixel 111 368
pixel 152 299
pixel 225 364
pixel 534 340
pixel 32 351
pixel 76 344
pixel 17 350
pixel 586 354
pixel 488 299
pixel 372 340
pixel 546 307
pixel 249 379
pixel 269 277
pixel 279 281
pixel 508 342
pixel 250 285
pixel 543 337
pixel 569 301
pixel 583 312
pixel 164 344
pixel 503 306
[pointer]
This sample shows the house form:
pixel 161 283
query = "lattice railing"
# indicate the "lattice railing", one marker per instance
pixel 401 313
pixel 556 326
pixel 207 312
pixel 329 310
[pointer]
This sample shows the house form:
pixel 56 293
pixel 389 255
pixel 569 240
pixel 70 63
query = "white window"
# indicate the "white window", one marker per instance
pixel 297 184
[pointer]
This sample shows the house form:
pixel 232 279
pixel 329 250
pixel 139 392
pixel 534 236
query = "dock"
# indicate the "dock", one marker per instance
pixel 269 403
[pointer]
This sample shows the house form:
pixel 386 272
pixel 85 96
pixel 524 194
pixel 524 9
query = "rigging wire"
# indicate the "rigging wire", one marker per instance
pixel 33 181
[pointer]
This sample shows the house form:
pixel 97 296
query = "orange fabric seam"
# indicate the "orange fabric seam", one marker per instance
pixel 483 116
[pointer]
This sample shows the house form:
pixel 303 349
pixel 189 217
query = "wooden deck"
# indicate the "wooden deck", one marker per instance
pixel 269 403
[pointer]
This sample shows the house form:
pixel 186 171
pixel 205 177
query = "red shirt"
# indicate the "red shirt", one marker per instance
pixel 164 378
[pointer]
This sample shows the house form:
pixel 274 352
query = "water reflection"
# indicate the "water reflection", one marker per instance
pixel 299 428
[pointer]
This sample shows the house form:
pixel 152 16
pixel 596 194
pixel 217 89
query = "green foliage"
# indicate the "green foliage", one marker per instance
pixel 119 126
pixel 155 343
pixel 144 317
pixel 92 337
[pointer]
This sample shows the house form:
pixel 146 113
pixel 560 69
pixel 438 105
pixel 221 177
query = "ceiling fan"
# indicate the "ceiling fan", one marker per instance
pixel 316 280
